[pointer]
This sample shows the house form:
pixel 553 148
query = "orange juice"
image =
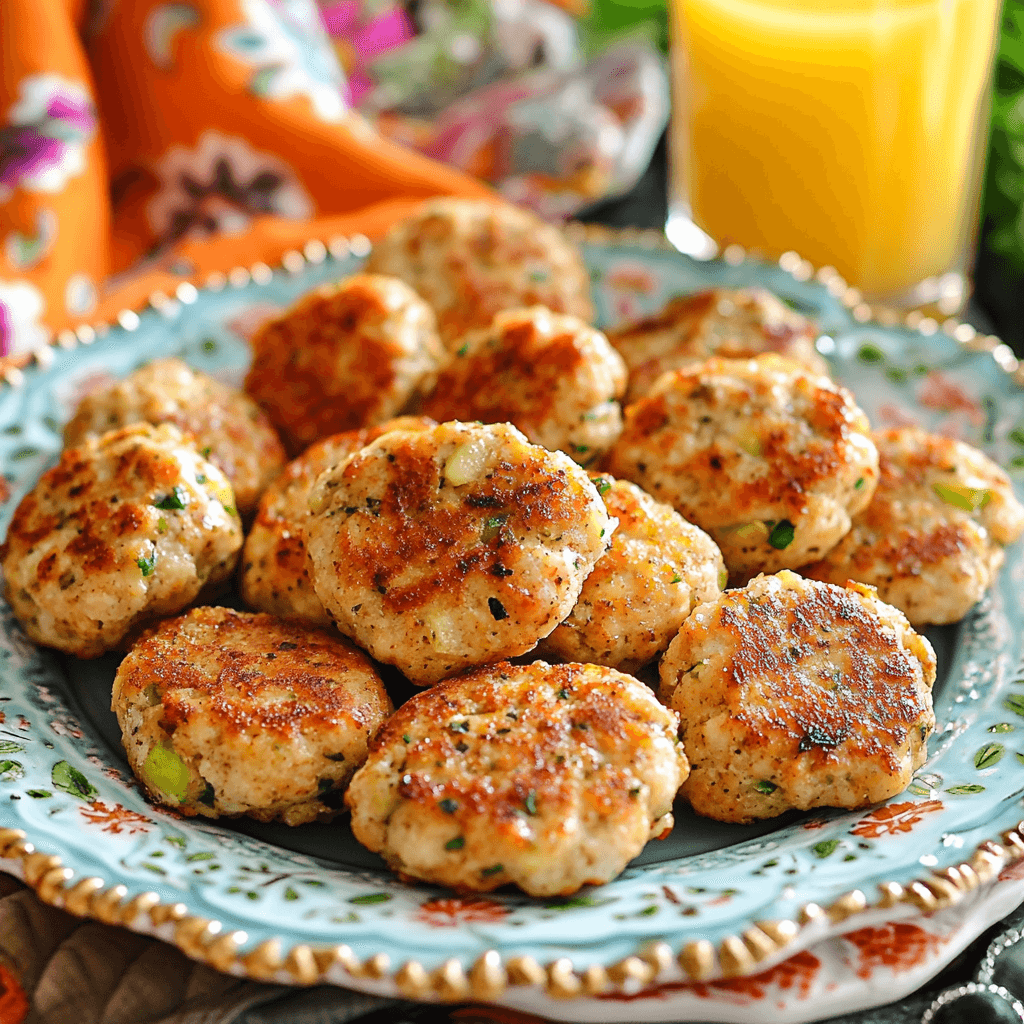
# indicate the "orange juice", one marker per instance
pixel 850 131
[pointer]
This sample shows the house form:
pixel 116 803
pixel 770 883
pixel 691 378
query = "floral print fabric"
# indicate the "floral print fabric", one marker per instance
pixel 42 145
pixel 144 143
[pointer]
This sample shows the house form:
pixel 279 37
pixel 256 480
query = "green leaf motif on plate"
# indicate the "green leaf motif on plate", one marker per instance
pixel 70 780
pixel 10 747
pixel 370 898
pixel 1001 727
pixel 1015 704
pixel 968 790
pixel 988 755
pixel 11 771
pixel 825 848
pixel 576 902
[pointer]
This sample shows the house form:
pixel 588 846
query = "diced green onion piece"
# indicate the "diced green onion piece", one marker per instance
pixel 165 771
pixel 177 499
pixel 781 535
pixel 750 442
pixel 754 533
pixel 970 499
pixel 492 527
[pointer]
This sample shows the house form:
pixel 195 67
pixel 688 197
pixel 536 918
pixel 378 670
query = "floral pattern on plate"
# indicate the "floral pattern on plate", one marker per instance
pixel 63 778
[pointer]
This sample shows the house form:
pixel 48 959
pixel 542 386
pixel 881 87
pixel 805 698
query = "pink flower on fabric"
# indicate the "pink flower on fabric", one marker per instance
pixel 364 41
pixel 43 142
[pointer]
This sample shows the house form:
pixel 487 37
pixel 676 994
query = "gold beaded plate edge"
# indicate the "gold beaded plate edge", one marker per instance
pixel 711 902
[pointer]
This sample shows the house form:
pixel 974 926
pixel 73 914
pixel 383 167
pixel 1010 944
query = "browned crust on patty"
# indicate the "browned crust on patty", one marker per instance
pixel 275 576
pixel 334 361
pixel 452 538
pixel 253 672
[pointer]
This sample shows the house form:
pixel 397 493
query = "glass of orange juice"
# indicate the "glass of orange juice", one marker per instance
pixel 849 131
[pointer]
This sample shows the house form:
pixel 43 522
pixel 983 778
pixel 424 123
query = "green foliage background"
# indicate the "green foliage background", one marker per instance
pixel 1003 203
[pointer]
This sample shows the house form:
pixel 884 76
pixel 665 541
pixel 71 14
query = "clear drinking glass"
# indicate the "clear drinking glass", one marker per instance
pixel 850 131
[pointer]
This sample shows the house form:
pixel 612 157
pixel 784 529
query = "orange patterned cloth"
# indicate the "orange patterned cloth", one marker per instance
pixel 144 143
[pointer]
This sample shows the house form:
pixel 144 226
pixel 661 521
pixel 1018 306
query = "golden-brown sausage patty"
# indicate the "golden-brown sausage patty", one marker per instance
pixel 226 425
pixel 548 777
pixel 454 546
pixel 228 713
pixel 550 375
pixel 932 538
pixel 732 323
pixel 769 459
pixel 471 259
pixel 345 356
pixel 125 528
pixel 658 568
pixel 794 693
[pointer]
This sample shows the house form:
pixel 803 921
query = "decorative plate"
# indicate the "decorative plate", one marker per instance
pixel 827 911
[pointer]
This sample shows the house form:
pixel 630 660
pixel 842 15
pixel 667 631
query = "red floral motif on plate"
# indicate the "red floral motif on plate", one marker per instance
pixel 796 973
pixel 941 392
pixel 632 277
pixel 115 819
pixel 895 818
pixel 899 947
pixel 893 416
pixel 453 911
